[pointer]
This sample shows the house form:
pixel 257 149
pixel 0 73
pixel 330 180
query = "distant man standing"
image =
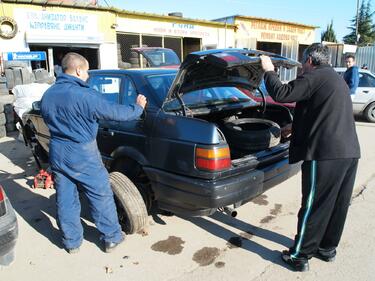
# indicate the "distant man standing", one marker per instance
pixel 351 75
pixel 323 137
pixel 71 110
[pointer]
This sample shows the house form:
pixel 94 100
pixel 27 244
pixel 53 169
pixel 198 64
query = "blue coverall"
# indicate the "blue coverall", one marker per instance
pixel 71 111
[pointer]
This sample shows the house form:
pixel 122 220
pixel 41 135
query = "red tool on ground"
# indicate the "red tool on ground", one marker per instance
pixel 43 180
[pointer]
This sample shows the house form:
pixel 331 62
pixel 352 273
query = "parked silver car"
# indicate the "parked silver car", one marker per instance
pixel 8 229
pixel 364 98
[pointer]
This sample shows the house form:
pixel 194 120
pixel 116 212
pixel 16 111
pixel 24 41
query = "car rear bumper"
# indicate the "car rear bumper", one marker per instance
pixel 8 235
pixel 198 197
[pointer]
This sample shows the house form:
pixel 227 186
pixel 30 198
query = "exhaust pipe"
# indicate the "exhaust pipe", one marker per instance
pixel 229 211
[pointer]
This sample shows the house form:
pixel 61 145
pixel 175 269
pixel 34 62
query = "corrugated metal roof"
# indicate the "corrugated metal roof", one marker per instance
pixel 80 5
pixel 267 19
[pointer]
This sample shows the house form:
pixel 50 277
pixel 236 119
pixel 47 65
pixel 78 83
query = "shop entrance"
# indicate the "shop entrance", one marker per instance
pixel 191 45
pixel 269 47
pixel 91 54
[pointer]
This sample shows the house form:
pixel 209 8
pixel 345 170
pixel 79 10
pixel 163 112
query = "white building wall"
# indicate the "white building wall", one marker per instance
pixel 108 56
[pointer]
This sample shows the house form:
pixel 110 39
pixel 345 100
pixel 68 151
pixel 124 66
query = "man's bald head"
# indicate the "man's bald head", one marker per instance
pixel 75 64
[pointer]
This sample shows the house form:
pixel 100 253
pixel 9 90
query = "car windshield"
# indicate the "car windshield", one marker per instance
pixel 198 98
pixel 161 57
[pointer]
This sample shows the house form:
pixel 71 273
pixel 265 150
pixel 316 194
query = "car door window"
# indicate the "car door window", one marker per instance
pixel 366 80
pixel 108 86
pixel 130 93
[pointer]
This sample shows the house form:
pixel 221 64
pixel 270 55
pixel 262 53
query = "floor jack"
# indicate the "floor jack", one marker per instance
pixel 44 178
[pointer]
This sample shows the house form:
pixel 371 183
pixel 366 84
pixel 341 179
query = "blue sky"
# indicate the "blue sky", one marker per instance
pixel 316 12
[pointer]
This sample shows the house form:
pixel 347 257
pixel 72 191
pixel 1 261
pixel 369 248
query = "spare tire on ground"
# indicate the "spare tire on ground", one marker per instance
pixel 251 134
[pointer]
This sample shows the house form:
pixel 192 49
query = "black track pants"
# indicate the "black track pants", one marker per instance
pixel 327 187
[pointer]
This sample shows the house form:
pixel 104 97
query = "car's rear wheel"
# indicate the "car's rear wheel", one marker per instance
pixel 370 112
pixel 131 208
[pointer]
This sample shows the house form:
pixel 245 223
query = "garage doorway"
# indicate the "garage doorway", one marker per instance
pixel 269 47
pixel 191 45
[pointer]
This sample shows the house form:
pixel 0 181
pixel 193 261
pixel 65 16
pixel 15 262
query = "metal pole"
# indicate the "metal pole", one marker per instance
pixel 356 28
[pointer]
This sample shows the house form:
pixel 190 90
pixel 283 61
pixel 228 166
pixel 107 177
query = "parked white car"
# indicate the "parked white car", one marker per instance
pixel 364 98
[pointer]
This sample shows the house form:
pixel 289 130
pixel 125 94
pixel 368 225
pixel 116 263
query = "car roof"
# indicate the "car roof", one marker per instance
pixel 343 69
pixel 136 71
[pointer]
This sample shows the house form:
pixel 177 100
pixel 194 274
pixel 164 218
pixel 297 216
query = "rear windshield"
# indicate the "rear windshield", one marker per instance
pixel 199 98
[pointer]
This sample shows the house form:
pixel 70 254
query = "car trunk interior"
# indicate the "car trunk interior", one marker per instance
pixel 276 113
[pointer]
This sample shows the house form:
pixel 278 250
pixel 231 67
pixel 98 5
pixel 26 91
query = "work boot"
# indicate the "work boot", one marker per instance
pixel 326 255
pixel 297 264
pixel 110 246
pixel 72 250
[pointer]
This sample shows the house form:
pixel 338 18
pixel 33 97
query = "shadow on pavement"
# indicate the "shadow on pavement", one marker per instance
pixel 247 231
pixel 34 208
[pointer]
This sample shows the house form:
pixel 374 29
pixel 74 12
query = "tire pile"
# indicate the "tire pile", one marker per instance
pixel 7 119
pixel 17 73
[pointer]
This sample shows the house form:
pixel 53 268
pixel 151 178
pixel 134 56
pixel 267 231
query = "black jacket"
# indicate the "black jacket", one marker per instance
pixel 323 126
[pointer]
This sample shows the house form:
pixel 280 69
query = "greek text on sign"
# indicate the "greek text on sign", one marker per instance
pixel 52 22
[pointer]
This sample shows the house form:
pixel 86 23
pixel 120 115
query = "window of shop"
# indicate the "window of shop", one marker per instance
pixel 301 49
pixel 127 41
pixel 269 47
pixel 174 44
pixel 191 45
pixel 152 41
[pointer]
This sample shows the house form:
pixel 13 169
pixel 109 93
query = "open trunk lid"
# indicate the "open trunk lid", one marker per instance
pixel 223 67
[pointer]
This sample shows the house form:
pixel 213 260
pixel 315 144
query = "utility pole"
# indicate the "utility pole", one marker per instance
pixel 356 28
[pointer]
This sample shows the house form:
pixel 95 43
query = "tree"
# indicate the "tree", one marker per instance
pixel 365 26
pixel 329 34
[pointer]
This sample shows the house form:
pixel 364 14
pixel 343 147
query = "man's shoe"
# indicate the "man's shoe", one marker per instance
pixel 297 264
pixel 72 250
pixel 110 246
pixel 327 256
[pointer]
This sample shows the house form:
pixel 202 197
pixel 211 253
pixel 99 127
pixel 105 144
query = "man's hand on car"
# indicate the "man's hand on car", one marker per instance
pixel 141 101
pixel 267 64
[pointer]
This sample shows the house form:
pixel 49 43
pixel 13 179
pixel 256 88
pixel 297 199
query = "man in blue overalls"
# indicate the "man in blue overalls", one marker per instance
pixel 71 111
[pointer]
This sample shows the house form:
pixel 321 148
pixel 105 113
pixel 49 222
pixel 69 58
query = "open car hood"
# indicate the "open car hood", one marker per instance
pixel 223 67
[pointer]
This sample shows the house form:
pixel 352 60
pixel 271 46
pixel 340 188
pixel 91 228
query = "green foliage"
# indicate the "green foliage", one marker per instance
pixel 365 26
pixel 329 34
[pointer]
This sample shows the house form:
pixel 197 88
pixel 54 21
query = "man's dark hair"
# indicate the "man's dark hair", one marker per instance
pixel 71 61
pixel 350 56
pixel 318 53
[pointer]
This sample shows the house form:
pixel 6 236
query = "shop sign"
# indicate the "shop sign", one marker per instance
pixel 28 56
pixel 166 28
pixel 60 23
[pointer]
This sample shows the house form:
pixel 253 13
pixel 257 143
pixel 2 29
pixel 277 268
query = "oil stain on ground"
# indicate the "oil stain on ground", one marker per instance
pixel 171 246
pixel 267 219
pixel 276 210
pixel 260 200
pixel 219 264
pixel 206 256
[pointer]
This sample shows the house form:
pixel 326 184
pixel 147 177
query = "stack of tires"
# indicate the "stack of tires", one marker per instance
pixel 7 119
pixel 17 73
pixel 3 86
pixel 121 63
pixel 134 57
pixel 42 76
pixel 2 121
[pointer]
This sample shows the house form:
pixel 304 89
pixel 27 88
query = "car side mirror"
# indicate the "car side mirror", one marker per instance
pixel 36 105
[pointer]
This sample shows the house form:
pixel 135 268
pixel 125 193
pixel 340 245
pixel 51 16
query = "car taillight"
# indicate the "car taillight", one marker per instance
pixel 212 159
pixel 2 202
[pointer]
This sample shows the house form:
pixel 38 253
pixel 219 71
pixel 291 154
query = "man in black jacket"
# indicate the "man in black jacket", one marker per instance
pixel 325 139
